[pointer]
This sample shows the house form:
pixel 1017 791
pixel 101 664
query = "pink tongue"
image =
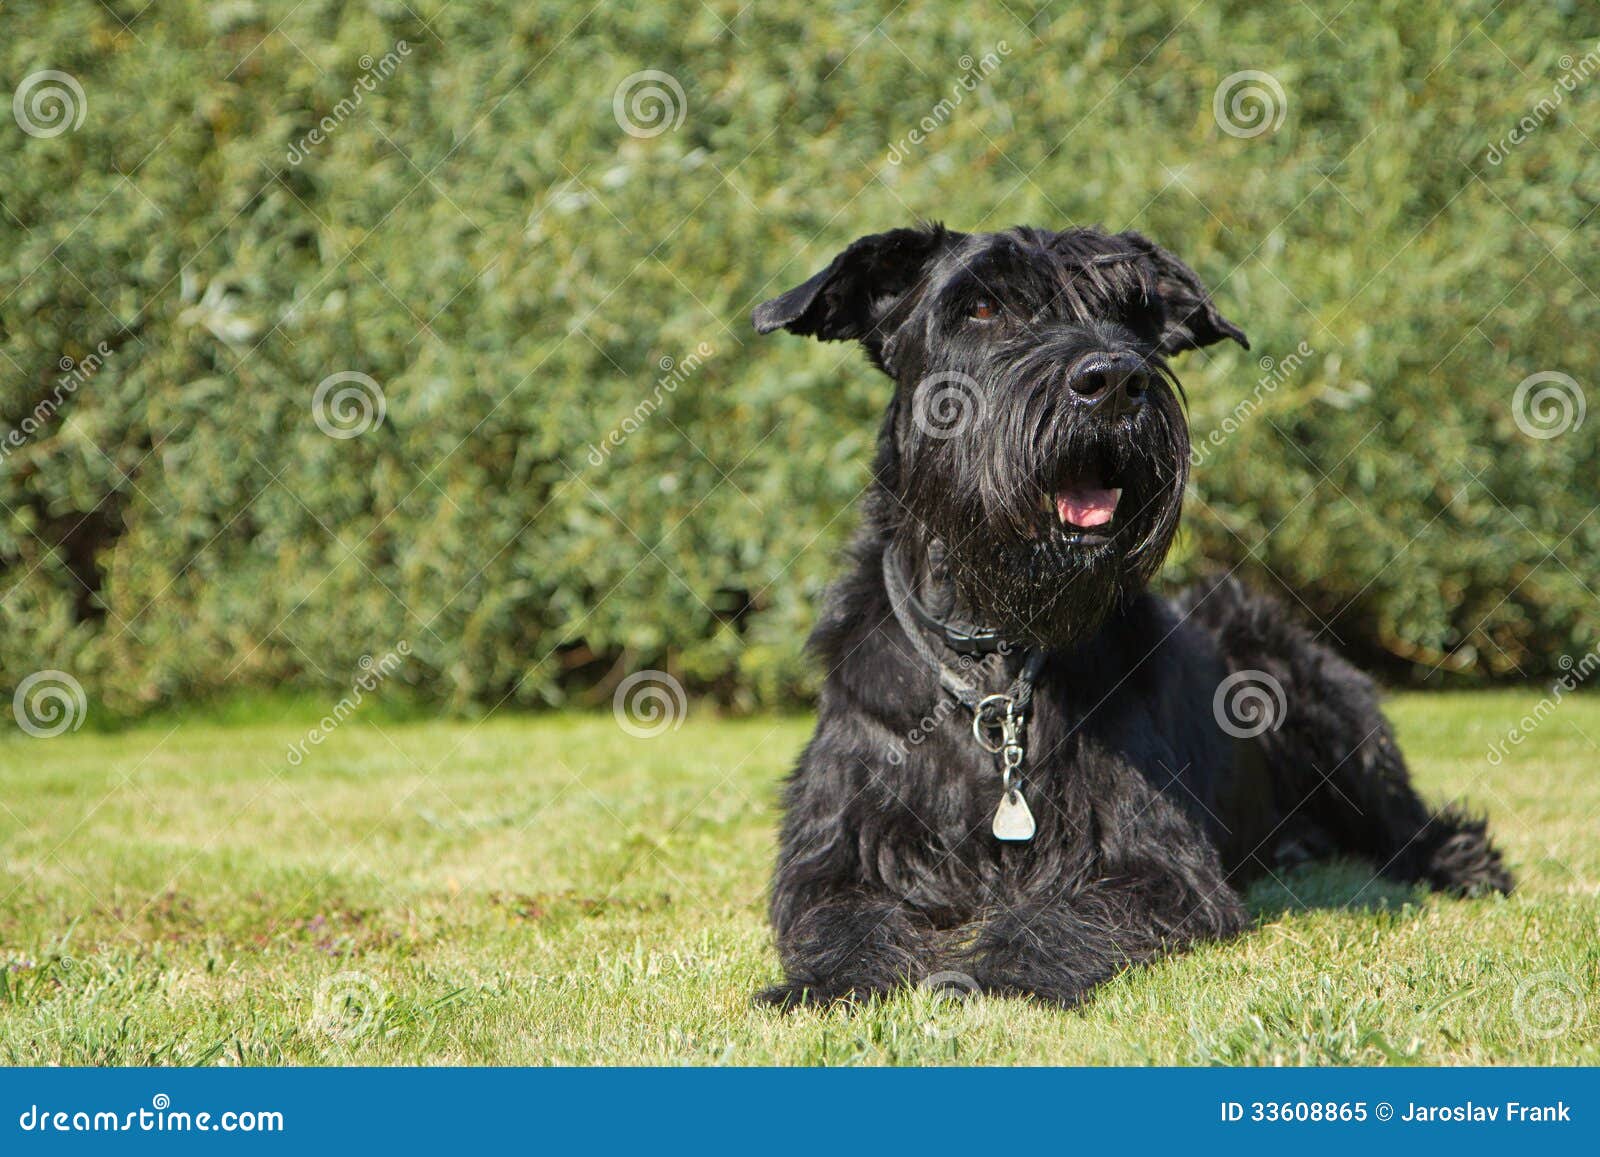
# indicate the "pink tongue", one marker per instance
pixel 1087 506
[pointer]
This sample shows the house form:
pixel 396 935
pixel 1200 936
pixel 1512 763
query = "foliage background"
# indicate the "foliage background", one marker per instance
pixel 483 240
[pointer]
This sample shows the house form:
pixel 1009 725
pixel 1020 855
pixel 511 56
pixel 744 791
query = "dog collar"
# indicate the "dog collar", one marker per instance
pixel 999 721
pixel 961 638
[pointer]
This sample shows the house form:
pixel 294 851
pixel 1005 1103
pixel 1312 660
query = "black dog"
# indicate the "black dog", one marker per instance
pixel 1148 756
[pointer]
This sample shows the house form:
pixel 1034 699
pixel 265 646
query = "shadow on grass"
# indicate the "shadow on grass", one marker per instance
pixel 1351 885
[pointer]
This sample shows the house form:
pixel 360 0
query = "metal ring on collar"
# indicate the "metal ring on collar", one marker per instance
pixel 983 718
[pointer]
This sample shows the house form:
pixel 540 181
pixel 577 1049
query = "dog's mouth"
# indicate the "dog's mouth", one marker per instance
pixel 1084 508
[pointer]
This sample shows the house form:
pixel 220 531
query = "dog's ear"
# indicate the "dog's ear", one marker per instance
pixel 1192 320
pixel 850 297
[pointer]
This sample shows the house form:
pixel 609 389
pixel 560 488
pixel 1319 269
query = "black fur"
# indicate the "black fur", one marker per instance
pixel 1053 348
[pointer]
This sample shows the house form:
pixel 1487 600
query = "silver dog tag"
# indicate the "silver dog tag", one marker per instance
pixel 1012 819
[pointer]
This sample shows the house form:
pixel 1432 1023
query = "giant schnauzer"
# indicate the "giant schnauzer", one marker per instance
pixel 1027 768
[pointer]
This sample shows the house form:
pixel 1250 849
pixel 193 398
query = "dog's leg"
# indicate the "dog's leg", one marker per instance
pixel 1334 757
pixel 1057 952
pixel 843 947
pixel 1155 885
pixel 841 933
pixel 1060 948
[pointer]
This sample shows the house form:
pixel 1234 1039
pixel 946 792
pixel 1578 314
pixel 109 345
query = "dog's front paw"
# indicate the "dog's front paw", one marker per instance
pixel 1065 996
pixel 785 997
pixel 793 994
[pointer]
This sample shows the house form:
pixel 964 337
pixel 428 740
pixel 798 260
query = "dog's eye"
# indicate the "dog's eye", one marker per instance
pixel 983 310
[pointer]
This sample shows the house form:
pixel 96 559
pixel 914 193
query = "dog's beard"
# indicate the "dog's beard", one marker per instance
pixel 1046 529
pixel 1042 594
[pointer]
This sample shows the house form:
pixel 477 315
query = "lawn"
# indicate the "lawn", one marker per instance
pixel 549 889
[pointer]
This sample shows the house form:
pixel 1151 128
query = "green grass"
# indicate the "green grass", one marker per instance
pixel 551 890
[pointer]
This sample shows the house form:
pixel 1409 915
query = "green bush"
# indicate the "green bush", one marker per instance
pixel 439 196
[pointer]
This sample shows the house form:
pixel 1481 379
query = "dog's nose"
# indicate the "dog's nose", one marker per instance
pixel 1116 382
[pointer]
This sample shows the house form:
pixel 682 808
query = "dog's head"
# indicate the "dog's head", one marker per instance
pixel 1036 441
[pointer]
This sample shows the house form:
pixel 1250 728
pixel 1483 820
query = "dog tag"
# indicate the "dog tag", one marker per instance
pixel 1012 819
